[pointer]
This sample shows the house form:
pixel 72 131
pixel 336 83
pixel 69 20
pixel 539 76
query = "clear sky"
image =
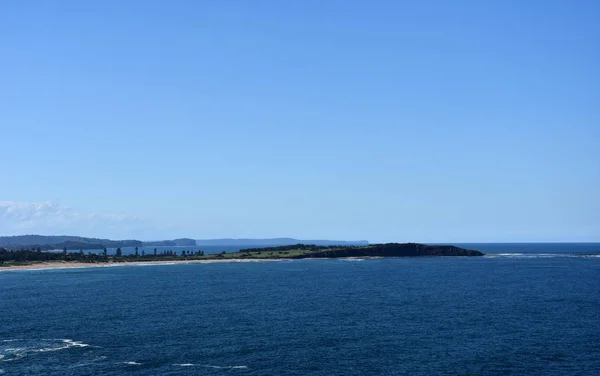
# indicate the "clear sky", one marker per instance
pixel 433 121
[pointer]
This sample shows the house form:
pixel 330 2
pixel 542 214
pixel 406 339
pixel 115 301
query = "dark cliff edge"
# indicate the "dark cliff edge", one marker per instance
pixel 392 250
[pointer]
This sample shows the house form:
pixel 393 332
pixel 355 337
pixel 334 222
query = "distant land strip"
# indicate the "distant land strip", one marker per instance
pixel 10 258
pixel 44 242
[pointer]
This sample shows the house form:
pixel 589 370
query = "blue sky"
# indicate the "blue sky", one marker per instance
pixel 433 121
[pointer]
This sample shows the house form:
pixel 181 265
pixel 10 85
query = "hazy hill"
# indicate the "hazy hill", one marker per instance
pixel 60 241
pixel 274 242
pixel 182 242
pixel 79 242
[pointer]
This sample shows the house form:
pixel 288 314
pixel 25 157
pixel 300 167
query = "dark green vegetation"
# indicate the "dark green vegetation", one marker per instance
pixel 298 251
pixel 28 256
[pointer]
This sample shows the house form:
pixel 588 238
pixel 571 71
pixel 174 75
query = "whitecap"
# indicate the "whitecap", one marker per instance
pixel 75 343
pixel 13 353
pixel 47 349
pixel 132 363
pixel 67 343
pixel 185 364
pixel 20 348
pixel 225 367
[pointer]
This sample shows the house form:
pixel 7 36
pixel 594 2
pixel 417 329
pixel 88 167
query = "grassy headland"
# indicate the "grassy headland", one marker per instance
pixel 299 251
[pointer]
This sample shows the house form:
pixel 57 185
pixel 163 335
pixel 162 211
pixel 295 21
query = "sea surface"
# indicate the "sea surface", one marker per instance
pixel 525 309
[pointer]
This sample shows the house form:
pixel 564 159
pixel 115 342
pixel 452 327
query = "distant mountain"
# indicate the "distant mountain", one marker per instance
pixel 274 242
pixel 58 242
pixel 79 242
pixel 183 242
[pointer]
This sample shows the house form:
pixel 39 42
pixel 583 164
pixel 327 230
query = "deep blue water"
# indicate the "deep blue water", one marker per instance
pixel 516 312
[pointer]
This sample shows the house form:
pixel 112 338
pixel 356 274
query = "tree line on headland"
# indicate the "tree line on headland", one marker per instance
pixel 298 251
pixel 39 255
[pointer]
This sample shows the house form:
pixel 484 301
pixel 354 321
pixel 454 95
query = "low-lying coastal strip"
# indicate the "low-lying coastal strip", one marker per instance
pixel 73 264
pixel 35 259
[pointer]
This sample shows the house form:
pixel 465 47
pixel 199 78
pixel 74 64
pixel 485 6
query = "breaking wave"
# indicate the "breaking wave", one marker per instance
pixel 209 366
pixel 226 367
pixel 13 349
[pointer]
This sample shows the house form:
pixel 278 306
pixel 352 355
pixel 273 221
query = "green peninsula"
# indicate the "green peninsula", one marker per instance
pixel 301 251
pixel 23 257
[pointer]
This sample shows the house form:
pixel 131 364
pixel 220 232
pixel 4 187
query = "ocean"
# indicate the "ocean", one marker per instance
pixel 525 309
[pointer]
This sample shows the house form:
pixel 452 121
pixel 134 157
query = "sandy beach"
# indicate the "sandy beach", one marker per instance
pixel 70 265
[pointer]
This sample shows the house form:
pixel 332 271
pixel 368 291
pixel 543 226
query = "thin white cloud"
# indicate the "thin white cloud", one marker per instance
pixel 50 218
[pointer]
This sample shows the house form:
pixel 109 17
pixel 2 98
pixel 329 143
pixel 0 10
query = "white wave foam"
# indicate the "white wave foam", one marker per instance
pixel 132 363
pixel 75 343
pixel 67 343
pixel 47 349
pixel 209 366
pixel 13 354
pixel 225 367
pixel 26 347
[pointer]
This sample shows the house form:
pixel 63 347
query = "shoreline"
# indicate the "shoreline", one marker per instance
pixel 82 265
pixel 33 260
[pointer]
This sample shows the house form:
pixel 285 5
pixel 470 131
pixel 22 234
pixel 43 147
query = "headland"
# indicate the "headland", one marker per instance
pixel 36 259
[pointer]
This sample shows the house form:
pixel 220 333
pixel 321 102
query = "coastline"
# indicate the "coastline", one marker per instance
pixel 82 265
pixel 35 260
